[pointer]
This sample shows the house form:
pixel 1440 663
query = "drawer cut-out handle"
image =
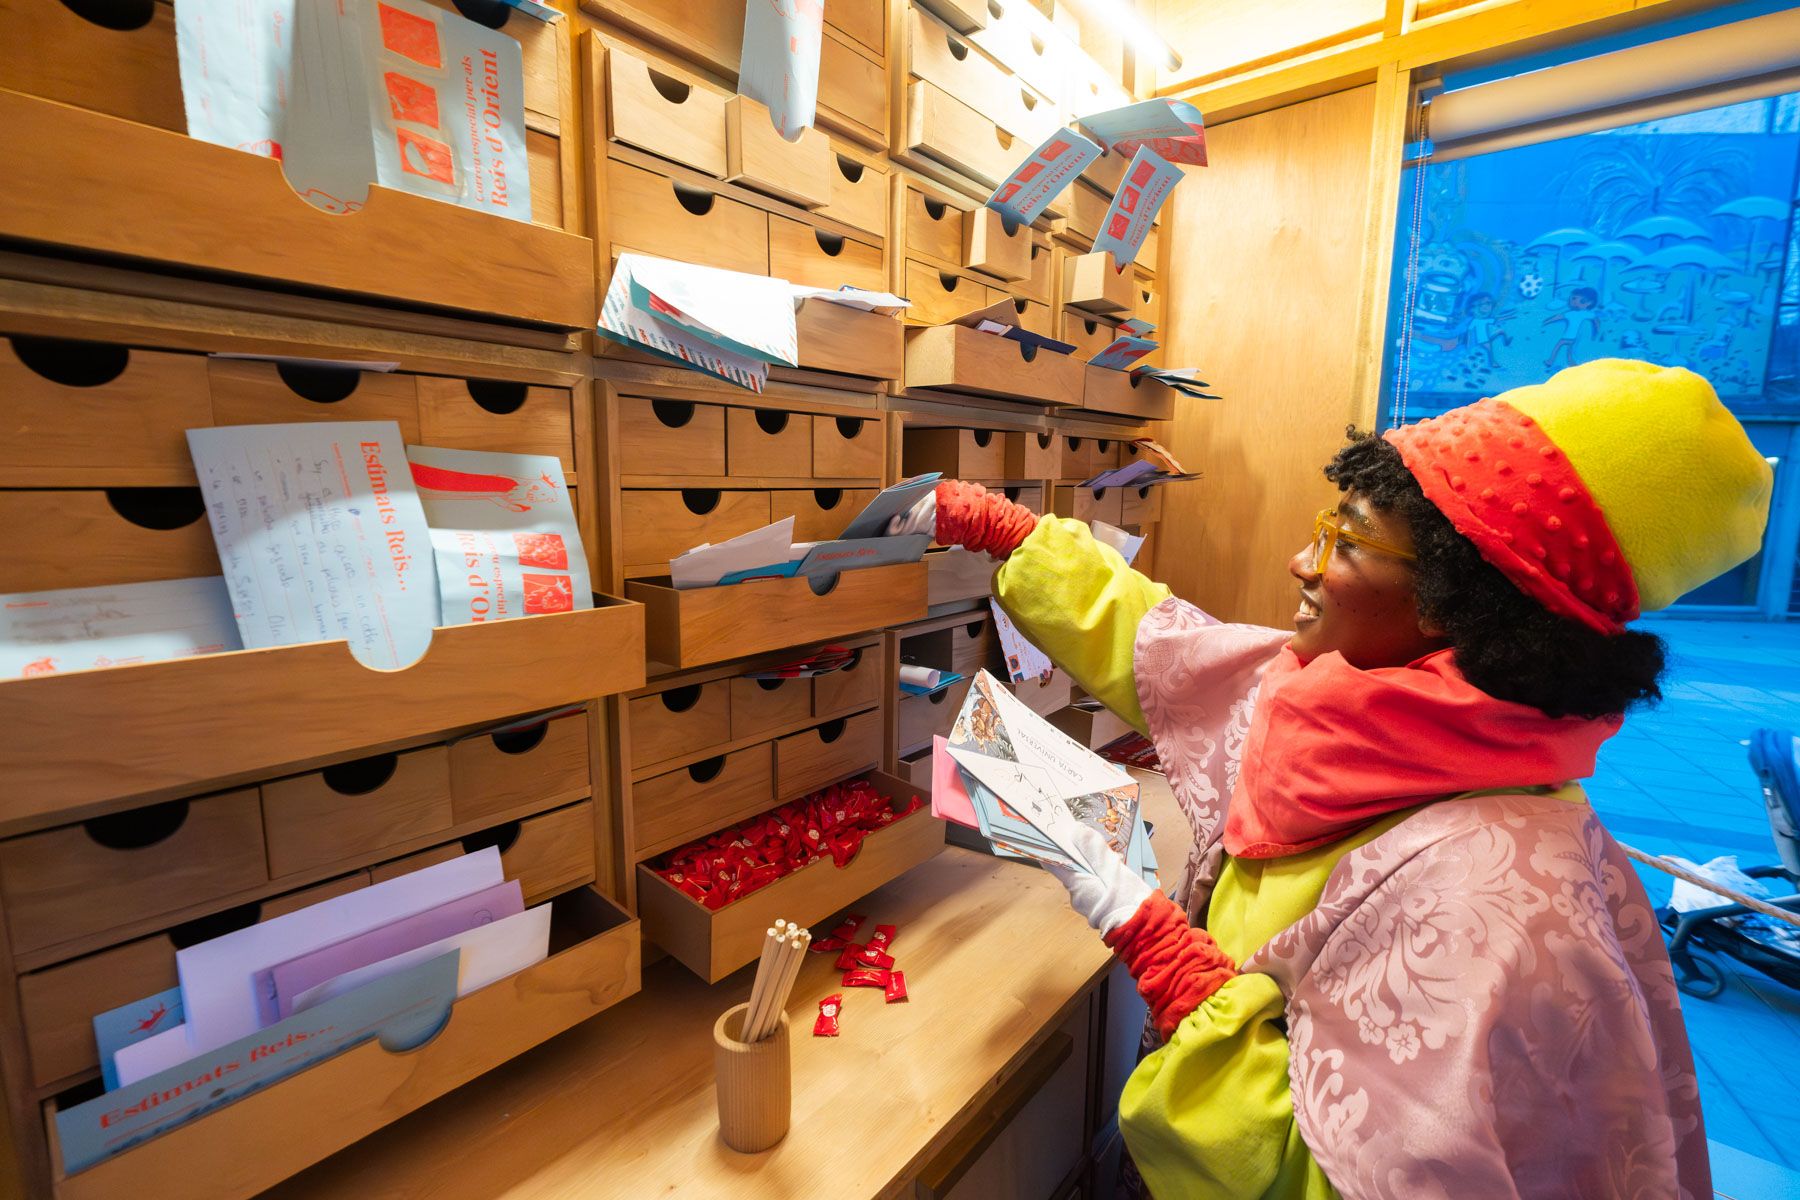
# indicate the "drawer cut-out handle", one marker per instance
pixel 958 50
pixel 1034 252
pixel 1143 493
pixel 1146 296
pixel 831 243
pixel 983 437
pixel 1012 493
pixel 1131 447
pixel 215 925
pixel 521 741
pixel 1027 352
pixel 492 13
pixel 122 15
pixel 502 397
pixel 1044 440
pixel 854 662
pixel 701 501
pixel 1099 493
pixel 772 420
pixel 1029 99
pixel 1073 442
pixel 770 685
pixel 824 585
pixel 674 90
pixel 849 168
pixel 828 498
pixel 948 280
pixel 1090 326
pixel 1135 380
pixel 975 629
pixel 831 731
pixel 321 385
pixel 707 769
pixel 679 700
pixel 673 413
pixel 1037 45
pixel 139 828
pixel 1004 138
pixel 158 508
pixel 500 837
pixel 938 697
pixel 851 427
pixel 1103 445
pixel 1019 306
pixel 361 776
pixel 72 363
pixel 996 10
pixel 935 209
pixel 698 201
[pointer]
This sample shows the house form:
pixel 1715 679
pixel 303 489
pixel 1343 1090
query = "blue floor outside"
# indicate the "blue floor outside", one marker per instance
pixel 1676 780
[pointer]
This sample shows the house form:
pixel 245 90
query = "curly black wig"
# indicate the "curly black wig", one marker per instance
pixel 1506 643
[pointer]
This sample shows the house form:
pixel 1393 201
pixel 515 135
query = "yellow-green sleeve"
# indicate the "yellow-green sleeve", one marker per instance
pixel 1211 1113
pixel 1079 602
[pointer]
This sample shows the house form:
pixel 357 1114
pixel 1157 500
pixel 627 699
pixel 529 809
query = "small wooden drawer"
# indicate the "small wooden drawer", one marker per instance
pixel 269 710
pixel 964 16
pixel 705 625
pixel 713 944
pixel 125 535
pixel 95 413
pixel 1092 283
pixel 955 453
pixel 679 721
pixel 847 447
pixel 958 574
pixel 935 227
pixel 1107 172
pixel 853 95
pixel 1089 332
pixel 492 414
pixel 813 257
pixel 1077 458
pixel 939 56
pixel 248 222
pixel 1148 304
pixel 915 768
pixel 820 514
pixel 1127 394
pixel 58 1004
pixel 958 359
pixel 1023 41
pixel 1036 284
pixel 768 442
pixel 995 246
pixel 849 341
pixel 670 218
pixel 760 706
pixel 1032 316
pixel 689 802
pixel 1044 696
pixel 657 526
pixel 258 1141
pixel 549 853
pixel 972 646
pixel 1105 454
pixel 939 296
pixel 1092 727
pixel 1032 456
pixel 1090 504
pixel 758 157
pixel 123 72
pixel 944 129
pixel 671 437
pixel 1141 506
pixel 859 192
pixel 64 883
pixel 266 393
pixel 1148 259
pixel 855 686
pixel 863 21
pixel 316 819
pixel 806 762
pixel 543 764
pixel 1087 212
pixel 925 717
pixel 666 114
pixel 1031 497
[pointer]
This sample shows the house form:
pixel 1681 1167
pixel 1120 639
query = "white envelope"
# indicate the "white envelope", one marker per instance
pixel 487 953
pixel 220 1001
pixel 158 1052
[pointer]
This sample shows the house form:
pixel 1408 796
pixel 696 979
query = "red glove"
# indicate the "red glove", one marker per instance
pixel 970 516
pixel 1176 966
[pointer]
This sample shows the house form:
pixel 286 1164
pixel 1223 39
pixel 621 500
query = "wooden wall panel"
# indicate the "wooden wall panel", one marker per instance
pixel 1267 268
pixel 1212 36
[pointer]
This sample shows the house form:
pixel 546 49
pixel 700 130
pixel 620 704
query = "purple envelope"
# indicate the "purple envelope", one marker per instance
pixel 290 978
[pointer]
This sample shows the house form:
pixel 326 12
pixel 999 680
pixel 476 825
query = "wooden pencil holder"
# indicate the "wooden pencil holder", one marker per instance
pixel 754 1086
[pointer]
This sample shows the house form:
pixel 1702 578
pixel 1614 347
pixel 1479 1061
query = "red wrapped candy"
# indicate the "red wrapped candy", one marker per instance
pixel 848 959
pixel 872 956
pixel 896 987
pixel 827 1023
pixel 882 938
pixel 840 937
pixel 866 977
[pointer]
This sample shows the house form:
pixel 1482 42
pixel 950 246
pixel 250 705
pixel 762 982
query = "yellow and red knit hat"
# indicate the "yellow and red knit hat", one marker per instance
pixel 1611 489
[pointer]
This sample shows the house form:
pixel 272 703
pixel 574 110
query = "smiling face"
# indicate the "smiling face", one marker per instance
pixel 1364 605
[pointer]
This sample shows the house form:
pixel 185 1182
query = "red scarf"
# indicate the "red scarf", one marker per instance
pixel 1333 749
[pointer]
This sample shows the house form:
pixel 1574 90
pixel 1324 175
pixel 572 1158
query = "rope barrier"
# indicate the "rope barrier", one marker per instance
pixel 1700 881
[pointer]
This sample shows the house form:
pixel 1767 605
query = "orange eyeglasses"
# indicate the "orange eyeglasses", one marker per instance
pixel 1327 533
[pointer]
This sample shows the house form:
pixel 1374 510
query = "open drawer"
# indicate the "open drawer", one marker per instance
pixel 87 737
pixel 713 944
pixel 696 626
pixel 261 1139
pixel 1128 395
pixel 78 182
pixel 848 341
pixel 959 359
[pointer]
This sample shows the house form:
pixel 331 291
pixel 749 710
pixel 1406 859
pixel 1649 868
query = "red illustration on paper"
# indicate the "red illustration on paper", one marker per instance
pixel 544 550
pixel 548 594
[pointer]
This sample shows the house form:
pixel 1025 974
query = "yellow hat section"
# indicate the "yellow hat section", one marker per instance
pixel 1683 490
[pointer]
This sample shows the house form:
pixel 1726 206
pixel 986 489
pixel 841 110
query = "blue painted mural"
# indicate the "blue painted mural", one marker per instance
pixel 1672 241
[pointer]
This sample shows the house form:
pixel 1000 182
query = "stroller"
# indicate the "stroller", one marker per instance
pixel 1775 757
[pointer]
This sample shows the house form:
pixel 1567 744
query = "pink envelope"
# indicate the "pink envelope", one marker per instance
pixel 296 975
pixel 949 799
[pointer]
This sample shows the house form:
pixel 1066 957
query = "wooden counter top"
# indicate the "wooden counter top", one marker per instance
pixel 623 1105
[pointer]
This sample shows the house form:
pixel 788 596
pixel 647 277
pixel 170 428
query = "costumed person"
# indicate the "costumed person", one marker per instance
pixel 1404 958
